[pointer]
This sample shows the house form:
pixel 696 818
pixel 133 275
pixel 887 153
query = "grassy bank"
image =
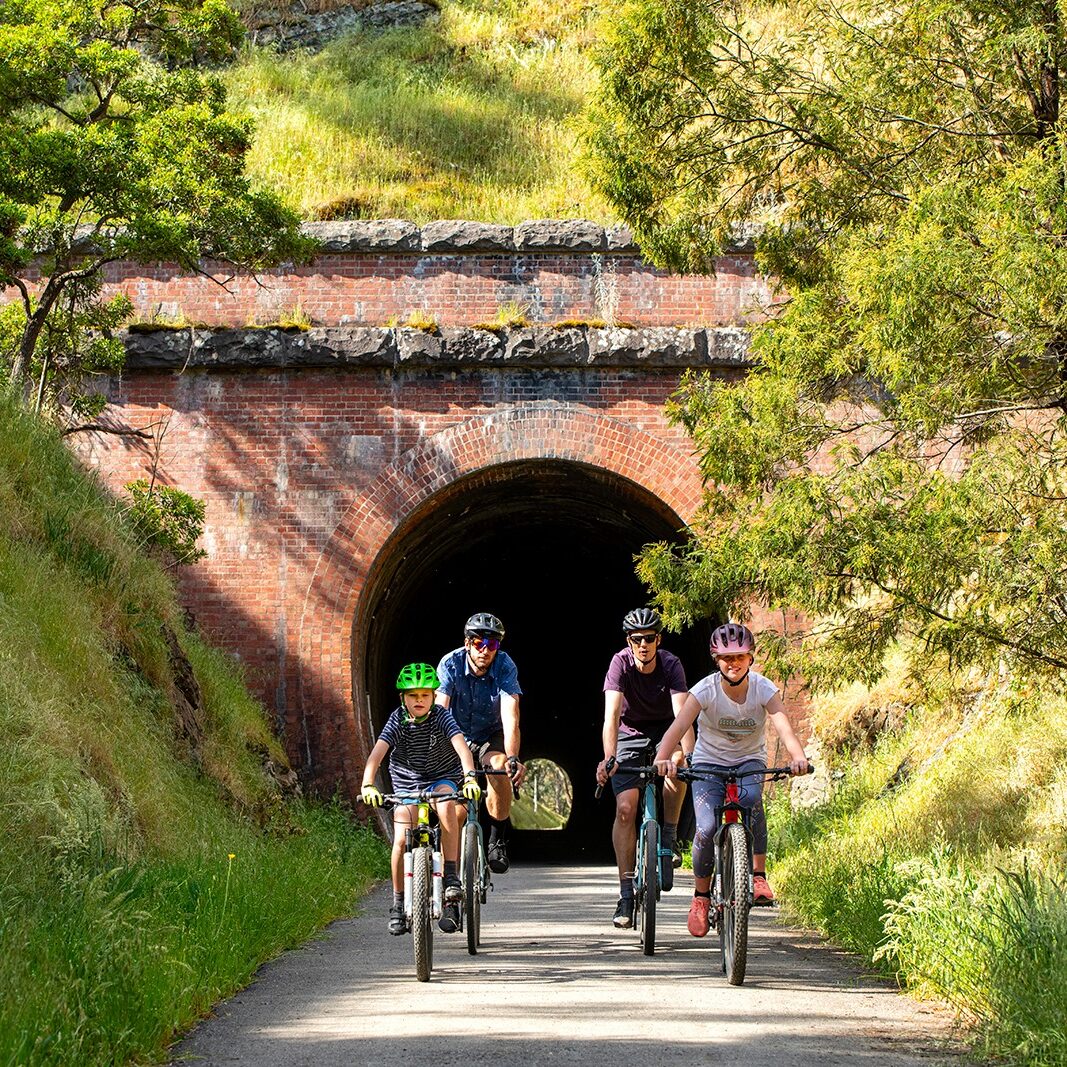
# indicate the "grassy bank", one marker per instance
pixel 470 116
pixel 148 861
pixel 940 857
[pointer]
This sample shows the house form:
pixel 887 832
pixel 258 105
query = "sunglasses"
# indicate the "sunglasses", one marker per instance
pixel 642 639
pixel 483 644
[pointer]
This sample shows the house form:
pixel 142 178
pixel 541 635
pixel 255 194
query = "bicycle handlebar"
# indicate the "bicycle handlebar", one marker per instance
pixel 733 773
pixel 396 800
pixel 609 766
pixel 502 770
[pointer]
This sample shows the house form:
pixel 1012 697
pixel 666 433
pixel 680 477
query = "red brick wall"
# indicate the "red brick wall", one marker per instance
pixel 307 473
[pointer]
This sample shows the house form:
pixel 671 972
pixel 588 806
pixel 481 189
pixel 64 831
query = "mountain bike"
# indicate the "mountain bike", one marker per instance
pixel 731 887
pixel 474 867
pixel 423 870
pixel 648 864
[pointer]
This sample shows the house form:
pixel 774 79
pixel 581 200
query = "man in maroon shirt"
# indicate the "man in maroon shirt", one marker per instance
pixel 643 691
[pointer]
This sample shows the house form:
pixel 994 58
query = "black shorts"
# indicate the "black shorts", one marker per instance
pixel 481 749
pixel 634 750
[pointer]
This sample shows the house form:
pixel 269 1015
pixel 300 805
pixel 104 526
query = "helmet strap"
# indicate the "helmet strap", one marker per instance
pixel 734 685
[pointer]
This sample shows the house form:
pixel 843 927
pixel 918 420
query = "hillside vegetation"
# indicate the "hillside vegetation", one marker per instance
pixel 148 860
pixel 941 854
pixel 470 116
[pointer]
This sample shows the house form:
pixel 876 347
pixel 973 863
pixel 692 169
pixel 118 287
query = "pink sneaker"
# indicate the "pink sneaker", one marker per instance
pixel 762 894
pixel 698 916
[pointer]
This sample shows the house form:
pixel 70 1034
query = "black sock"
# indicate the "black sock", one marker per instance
pixel 626 888
pixel 398 899
pixel 670 832
pixel 498 830
pixel 451 869
pixel 706 895
pixel 759 874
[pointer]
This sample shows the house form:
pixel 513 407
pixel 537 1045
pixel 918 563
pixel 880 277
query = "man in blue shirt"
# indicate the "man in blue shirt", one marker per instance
pixel 479 684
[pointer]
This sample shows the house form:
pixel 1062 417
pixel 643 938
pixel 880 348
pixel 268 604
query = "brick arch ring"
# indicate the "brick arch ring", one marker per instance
pixel 539 430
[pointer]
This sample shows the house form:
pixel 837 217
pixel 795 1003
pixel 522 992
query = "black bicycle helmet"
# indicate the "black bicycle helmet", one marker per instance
pixel 642 619
pixel 482 624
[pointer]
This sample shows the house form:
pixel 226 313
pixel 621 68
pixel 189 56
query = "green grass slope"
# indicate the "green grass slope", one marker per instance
pixel 148 864
pixel 470 116
pixel 940 856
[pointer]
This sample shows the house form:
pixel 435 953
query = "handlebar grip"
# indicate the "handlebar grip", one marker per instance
pixel 609 766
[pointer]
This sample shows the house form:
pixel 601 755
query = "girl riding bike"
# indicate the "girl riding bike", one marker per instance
pixel 731 708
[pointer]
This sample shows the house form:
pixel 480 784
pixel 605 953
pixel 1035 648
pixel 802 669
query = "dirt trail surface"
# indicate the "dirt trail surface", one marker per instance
pixel 554 983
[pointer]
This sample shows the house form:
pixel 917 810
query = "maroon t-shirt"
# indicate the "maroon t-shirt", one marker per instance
pixel 646 698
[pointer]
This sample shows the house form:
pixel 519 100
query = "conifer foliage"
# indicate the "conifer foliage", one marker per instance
pixel 894 464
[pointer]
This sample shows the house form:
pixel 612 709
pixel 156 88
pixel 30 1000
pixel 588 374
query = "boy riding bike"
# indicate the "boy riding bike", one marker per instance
pixel 424 745
pixel 731 710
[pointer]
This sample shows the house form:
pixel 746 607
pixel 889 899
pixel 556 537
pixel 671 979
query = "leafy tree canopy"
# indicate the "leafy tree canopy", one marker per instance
pixel 116 145
pixel 894 464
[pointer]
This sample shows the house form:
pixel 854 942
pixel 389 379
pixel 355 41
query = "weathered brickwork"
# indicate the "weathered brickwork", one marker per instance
pixel 313 449
pixel 306 474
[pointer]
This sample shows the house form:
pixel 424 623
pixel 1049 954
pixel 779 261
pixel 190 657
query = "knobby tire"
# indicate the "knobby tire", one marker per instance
pixel 733 930
pixel 421 911
pixel 650 875
pixel 472 888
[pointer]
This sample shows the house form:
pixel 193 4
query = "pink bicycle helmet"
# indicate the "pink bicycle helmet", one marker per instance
pixel 732 638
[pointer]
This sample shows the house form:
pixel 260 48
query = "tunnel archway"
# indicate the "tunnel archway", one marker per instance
pixel 548 546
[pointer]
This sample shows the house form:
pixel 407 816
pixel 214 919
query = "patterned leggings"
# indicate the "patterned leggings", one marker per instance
pixel 708 795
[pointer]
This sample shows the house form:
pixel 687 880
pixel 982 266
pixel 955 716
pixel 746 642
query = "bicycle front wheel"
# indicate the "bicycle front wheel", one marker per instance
pixel 422 911
pixel 472 887
pixel 650 874
pixel 733 928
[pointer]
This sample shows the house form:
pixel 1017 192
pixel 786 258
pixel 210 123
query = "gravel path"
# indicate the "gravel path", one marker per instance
pixel 554 983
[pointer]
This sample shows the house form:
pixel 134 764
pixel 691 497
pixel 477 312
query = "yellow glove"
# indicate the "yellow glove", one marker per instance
pixel 371 796
pixel 471 789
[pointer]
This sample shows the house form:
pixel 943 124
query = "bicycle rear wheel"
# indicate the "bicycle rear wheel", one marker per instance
pixel 650 876
pixel 421 911
pixel 472 888
pixel 733 928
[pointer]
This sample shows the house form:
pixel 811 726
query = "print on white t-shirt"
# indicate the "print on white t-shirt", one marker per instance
pixel 729 733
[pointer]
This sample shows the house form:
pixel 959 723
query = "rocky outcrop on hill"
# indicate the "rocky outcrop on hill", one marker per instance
pixel 299 25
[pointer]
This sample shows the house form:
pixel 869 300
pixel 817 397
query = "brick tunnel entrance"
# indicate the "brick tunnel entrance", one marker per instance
pixel 548 546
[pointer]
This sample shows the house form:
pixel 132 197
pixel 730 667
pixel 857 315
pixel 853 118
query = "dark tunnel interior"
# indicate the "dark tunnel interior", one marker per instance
pixel 548 547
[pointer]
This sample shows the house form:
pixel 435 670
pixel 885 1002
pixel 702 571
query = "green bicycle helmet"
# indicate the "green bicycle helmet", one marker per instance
pixel 418 676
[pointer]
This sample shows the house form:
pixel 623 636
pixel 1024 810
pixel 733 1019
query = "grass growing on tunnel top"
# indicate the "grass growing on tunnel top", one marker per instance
pixel 469 116
pixel 940 859
pixel 139 883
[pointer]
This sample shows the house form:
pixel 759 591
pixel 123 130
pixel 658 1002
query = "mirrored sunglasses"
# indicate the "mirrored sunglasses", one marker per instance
pixel 641 639
pixel 482 644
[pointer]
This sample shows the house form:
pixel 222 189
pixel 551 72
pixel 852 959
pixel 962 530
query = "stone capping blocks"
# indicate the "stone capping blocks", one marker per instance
pixel 458 236
pixel 448 347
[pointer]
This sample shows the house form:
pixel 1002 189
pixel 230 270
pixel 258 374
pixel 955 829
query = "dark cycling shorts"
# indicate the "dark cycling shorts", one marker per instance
pixel 636 750
pixel 405 780
pixel 481 749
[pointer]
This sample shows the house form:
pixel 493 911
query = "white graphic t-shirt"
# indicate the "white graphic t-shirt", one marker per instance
pixel 729 733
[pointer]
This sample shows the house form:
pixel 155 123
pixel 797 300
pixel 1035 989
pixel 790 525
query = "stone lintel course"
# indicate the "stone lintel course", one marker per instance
pixel 652 347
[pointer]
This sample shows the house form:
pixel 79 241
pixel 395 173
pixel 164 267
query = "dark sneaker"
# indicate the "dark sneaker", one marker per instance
pixel 453 890
pixel 397 923
pixel 498 857
pixel 624 913
pixel 666 877
pixel 449 921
